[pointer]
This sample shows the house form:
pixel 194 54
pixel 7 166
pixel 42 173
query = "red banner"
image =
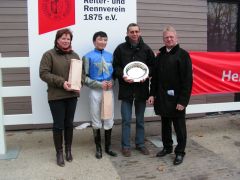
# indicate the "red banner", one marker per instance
pixel 215 72
pixel 55 14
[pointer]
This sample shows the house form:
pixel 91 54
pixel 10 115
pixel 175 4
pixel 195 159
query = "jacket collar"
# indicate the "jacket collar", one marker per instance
pixel 60 51
pixel 163 50
pixel 139 45
pixel 99 51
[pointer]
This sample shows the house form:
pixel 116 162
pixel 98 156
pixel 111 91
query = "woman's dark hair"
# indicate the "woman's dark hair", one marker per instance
pixel 99 33
pixel 62 32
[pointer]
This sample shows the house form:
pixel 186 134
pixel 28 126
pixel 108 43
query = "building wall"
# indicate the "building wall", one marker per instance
pixel 14 43
pixel 13 28
pixel 189 17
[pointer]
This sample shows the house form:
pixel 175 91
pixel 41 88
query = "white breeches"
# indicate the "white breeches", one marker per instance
pixel 95 97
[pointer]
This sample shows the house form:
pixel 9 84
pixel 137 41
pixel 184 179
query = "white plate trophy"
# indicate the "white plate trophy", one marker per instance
pixel 136 71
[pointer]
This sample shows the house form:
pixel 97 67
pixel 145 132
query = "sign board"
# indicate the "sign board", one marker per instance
pixel 84 18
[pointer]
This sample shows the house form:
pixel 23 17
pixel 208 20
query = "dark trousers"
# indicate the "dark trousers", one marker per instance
pixel 179 125
pixel 63 113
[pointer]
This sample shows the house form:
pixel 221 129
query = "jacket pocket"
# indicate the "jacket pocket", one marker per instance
pixel 165 104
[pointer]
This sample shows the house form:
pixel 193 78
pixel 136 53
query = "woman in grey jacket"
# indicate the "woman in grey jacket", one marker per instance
pixel 54 70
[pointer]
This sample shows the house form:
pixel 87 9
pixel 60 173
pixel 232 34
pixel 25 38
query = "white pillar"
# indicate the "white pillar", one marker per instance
pixel 2 129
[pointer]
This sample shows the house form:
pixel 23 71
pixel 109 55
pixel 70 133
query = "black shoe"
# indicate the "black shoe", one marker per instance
pixel 178 159
pixel 111 153
pixel 164 152
pixel 98 154
pixel 108 143
pixel 97 139
pixel 68 153
pixel 60 160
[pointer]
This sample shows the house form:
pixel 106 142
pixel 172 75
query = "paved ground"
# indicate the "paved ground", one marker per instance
pixel 213 153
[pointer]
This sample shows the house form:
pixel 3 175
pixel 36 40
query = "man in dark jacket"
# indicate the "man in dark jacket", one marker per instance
pixel 170 92
pixel 134 49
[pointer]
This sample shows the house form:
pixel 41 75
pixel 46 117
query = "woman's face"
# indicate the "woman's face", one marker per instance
pixel 64 41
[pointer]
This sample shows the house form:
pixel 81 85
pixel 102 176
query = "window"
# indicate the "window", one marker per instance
pixel 223 25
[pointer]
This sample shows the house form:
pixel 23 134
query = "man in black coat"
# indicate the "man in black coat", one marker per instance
pixel 134 49
pixel 171 88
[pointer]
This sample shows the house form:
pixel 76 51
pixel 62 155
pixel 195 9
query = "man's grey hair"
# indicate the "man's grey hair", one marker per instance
pixel 169 28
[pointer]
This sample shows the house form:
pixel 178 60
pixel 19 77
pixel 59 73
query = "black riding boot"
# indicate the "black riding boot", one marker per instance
pixel 58 140
pixel 108 143
pixel 97 139
pixel 68 136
